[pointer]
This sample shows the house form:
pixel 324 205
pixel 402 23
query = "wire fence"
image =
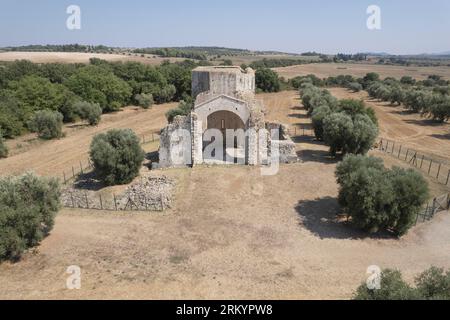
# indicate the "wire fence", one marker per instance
pixel 86 165
pixel 301 131
pixel 434 206
pixel 426 163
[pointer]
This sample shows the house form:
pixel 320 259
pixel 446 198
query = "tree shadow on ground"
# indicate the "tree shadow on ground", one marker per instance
pixel 297 108
pixel 441 136
pixel 151 157
pixel 323 218
pixel 298 115
pixel 425 122
pixel 88 181
pixel 313 155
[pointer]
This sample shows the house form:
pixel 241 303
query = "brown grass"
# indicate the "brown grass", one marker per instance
pixel 323 70
pixel 79 57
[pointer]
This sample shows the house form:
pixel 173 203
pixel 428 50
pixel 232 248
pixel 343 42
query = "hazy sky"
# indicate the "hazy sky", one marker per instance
pixel 407 26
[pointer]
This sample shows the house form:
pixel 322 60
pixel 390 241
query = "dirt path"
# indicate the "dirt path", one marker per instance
pixel 232 234
pixel 54 157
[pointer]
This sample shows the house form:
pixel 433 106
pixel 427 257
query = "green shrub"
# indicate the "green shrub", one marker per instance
pixel 88 111
pixel 117 156
pixel 267 80
pixel 432 284
pixel 392 287
pixel 355 86
pixel 377 198
pixel 28 205
pixel 3 147
pixel 144 100
pixel 184 108
pixel 47 124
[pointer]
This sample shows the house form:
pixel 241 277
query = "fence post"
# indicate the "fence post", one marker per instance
pixel 429 168
pixel 115 202
pixel 399 151
pixel 393 147
pixel 64 177
pixel 87 202
pixel 81 167
pixel 407 151
pixel 73 173
pixel 73 202
pixel 101 202
pixel 162 202
pixel 421 161
pixel 448 176
pixel 439 170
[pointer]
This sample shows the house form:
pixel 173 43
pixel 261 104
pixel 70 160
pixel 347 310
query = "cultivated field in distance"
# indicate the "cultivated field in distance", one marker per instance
pixel 323 70
pixel 80 57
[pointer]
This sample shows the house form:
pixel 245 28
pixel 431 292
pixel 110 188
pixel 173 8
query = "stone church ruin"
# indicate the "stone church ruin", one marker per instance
pixel 226 124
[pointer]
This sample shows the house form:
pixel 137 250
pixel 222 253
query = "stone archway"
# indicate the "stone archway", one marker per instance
pixel 224 120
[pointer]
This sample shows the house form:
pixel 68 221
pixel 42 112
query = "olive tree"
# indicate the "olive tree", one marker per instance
pixel 380 199
pixel 47 124
pixel 28 205
pixel 117 156
pixel 3 147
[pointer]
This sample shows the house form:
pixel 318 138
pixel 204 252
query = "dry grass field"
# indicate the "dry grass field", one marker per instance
pixel 79 57
pixel 232 233
pixel 323 70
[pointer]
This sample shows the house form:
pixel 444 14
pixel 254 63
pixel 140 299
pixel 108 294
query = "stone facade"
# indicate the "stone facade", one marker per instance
pixel 224 100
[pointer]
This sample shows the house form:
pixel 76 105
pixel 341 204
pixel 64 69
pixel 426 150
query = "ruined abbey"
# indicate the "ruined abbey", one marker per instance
pixel 226 124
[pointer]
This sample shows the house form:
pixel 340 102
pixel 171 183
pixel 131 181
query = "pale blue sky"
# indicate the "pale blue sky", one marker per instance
pixel 286 25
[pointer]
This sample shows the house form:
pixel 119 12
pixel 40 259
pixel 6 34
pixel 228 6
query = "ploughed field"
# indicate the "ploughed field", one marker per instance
pixel 231 233
pixel 324 70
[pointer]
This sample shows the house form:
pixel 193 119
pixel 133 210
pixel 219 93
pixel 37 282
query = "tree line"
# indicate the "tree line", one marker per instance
pixel 33 95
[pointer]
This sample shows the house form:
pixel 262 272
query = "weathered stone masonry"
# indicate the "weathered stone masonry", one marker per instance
pixel 224 99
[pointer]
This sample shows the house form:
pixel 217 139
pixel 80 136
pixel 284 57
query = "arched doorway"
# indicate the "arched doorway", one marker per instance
pixel 224 120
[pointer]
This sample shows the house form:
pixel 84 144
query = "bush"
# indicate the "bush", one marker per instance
pixel 144 100
pixel 28 205
pixel 377 198
pixel 432 284
pixel 88 111
pixel 355 86
pixel 392 287
pixel 47 124
pixel 267 80
pixel 3 147
pixel 117 156
pixel 184 108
